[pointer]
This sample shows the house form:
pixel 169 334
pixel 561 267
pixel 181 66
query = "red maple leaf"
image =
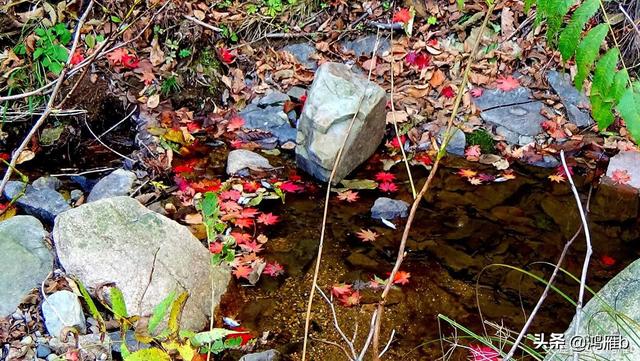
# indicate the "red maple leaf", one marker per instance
pixel 249 212
pixel 235 123
pixel 388 187
pixel 236 143
pixel 620 176
pixel 420 60
pixel 352 299
pixel 273 269
pixel 402 16
pixel 226 56
pixel 232 194
pixel 5 156
pixel 230 206
pixel 206 185
pixel 294 177
pixel 483 353
pixel 394 142
pixel 423 158
pixel 290 187
pixel 385 177
pixel 448 92
pixel 607 261
pixel 215 247
pixel 251 247
pixel 77 57
pixel 341 289
pixel 476 92
pixel 268 219
pixel 250 187
pixel 242 271
pixel 348 195
pixel 241 237
pixel 115 57
pixel 401 278
pixel 130 61
pixel 244 222
pixel 507 83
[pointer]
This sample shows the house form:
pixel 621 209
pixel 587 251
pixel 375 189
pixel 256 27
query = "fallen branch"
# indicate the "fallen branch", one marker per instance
pixel 425 187
pixel 633 22
pixel 314 284
pixel 587 256
pixel 203 24
pixel 49 107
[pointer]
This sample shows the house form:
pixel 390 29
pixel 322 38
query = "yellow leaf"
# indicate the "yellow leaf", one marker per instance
pixel 8 213
pixel 153 101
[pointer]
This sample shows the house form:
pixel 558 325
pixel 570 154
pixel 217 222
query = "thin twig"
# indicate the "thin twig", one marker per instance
pixel 395 124
pixel 633 23
pixel 314 284
pixel 335 322
pixel 425 187
pixel 105 145
pixel 49 107
pixel 587 256
pixel 203 24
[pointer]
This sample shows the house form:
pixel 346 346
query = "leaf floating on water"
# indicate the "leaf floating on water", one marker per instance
pixel 359 184
pixel 388 223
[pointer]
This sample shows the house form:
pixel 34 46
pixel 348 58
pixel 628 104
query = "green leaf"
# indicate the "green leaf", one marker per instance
pixel 176 312
pixel 570 36
pixel 619 85
pixel 601 111
pixel 629 109
pixel 213 335
pixel 93 310
pixel 604 73
pixel 587 52
pixel 55 68
pixel 116 19
pixel 37 53
pixel 160 311
pixel 117 303
pixel 209 204
pixel 90 40
pixel 555 12
pixel 150 354
pixel 528 4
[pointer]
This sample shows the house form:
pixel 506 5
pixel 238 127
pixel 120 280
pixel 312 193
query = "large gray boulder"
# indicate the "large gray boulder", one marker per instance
pixel 145 254
pixel 615 310
pixel 24 258
pixel 333 99
pixel 44 203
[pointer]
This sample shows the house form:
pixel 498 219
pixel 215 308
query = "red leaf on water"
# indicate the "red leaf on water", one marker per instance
pixel 241 237
pixel 273 269
pixel 232 194
pixel 290 187
pixel 294 177
pixel 507 83
pixel 207 185
pixel 476 92
pixel 249 212
pixel 388 187
pixel 385 177
pixel 423 158
pixel 250 187
pixel 401 278
pixel 244 222
pixel 403 15
pixel 348 195
pixel 242 271
pixel 268 219
pixel 351 300
pixel 340 289
pixel 448 92
pixel 5 156
pixel 251 247
pixel 607 261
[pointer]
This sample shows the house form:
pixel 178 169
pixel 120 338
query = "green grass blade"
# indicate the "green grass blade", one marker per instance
pixel 159 312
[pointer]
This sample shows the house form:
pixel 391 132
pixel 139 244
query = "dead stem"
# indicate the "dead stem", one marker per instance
pixel 314 284
pixel 425 187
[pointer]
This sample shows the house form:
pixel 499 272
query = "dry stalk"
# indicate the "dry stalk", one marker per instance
pixel 425 187
pixel 314 284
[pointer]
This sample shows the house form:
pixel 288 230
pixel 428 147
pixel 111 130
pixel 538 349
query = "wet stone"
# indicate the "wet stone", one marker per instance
pixel 269 355
pixel 240 159
pixel 360 260
pixel 47 182
pixel 614 202
pixel 388 208
pixel 62 309
pixel 118 183
pixel 576 103
pixel 494 98
pixel 274 98
pixel 303 53
pixel 297 93
pixel 364 46
pixel 457 142
pixel 517 123
pixel 43 203
pixel 271 119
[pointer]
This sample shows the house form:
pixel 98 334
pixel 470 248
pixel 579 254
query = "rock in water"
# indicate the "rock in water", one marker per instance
pixel 334 97
pixel 240 159
pixel 62 309
pixel 615 310
pixel 26 261
pixel 388 208
pixel 625 164
pixel 144 253
pixel 269 355
pixel 118 183
pixel 576 103
pixel 44 203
